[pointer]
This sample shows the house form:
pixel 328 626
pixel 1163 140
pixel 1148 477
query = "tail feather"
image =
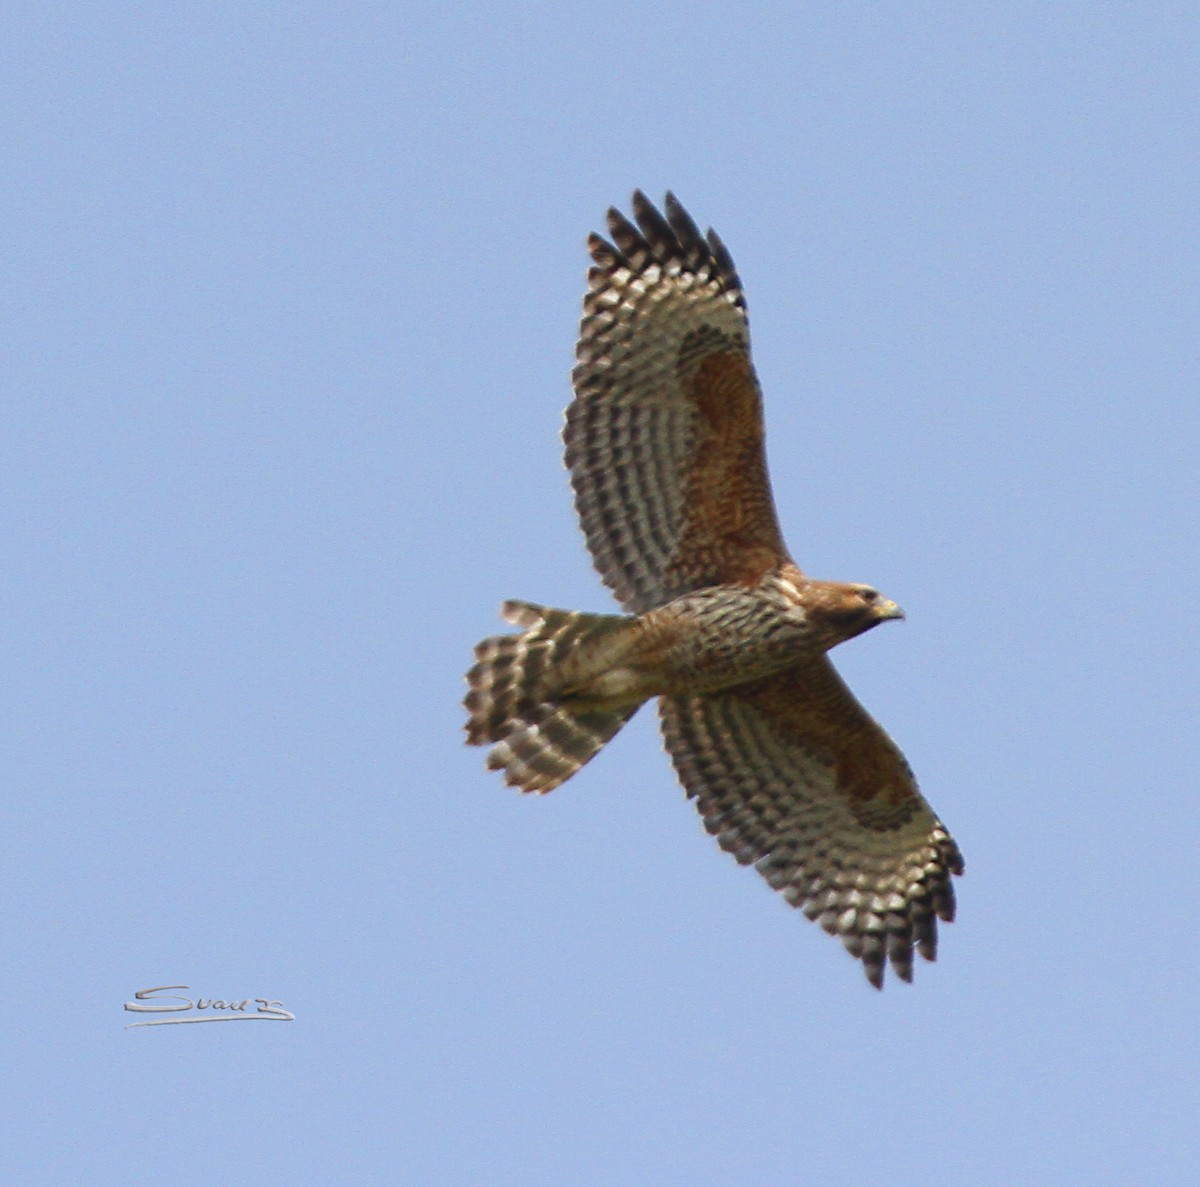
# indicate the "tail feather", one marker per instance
pixel 540 739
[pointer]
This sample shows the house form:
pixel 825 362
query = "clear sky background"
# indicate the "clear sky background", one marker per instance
pixel 290 296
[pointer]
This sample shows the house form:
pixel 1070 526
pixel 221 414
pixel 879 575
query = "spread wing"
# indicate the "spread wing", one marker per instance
pixel 792 774
pixel 664 438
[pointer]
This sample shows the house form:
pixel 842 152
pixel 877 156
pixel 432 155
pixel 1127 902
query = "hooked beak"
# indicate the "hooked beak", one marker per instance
pixel 887 609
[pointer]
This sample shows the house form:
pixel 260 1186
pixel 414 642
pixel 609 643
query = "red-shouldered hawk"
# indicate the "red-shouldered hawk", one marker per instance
pixel 664 442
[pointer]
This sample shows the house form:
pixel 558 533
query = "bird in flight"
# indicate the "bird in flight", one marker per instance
pixel 664 444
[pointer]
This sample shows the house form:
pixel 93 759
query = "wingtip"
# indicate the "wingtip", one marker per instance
pixel 603 253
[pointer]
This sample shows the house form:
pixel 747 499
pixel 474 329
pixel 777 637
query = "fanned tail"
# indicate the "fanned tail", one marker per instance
pixel 540 739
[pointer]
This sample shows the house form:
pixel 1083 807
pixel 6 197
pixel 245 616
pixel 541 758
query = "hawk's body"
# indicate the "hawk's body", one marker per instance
pixel 665 447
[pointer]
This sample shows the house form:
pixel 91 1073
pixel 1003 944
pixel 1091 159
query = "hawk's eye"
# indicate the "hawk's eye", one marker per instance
pixel 869 595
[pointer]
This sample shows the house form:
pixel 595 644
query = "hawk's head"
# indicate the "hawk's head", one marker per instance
pixel 841 609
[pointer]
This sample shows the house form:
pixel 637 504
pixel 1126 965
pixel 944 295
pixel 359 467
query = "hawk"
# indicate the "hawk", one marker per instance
pixel 664 443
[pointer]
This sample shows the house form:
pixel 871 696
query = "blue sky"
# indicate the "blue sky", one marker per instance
pixel 290 302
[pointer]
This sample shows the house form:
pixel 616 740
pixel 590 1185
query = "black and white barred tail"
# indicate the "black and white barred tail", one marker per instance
pixel 518 701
